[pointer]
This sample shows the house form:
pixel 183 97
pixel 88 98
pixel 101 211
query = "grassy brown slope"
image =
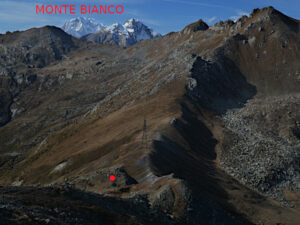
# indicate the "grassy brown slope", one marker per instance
pixel 115 138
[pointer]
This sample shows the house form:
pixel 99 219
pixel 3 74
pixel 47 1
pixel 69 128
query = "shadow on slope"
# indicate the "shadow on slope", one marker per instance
pixel 217 86
pixel 65 205
pixel 195 165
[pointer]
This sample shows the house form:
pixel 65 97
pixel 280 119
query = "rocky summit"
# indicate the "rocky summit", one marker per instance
pixel 196 127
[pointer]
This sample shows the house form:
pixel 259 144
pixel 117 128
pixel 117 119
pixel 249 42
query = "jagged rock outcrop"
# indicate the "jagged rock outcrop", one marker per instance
pixel 200 25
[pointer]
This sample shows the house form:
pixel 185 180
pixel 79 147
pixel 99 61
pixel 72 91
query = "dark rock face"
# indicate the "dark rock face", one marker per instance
pixel 5 103
pixel 11 85
pixel 220 85
pixel 200 25
pixel 296 130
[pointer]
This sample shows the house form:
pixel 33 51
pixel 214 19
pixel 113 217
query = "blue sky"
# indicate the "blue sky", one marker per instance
pixel 162 15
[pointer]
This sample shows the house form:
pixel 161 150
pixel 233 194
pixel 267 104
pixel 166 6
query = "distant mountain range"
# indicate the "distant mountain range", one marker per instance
pixel 127 34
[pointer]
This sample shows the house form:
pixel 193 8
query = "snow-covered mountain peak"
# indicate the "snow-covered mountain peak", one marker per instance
pixel 139 30
pixel 115 28
pixel 133 25
pixel 132 30
pixel 80 26
pixel 131 22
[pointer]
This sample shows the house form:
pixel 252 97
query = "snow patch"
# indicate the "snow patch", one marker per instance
pixel 251 41
pixel 17 183
pixel 59 167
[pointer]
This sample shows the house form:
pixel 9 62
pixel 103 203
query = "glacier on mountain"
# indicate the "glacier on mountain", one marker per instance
pixel 81 26
pixel 132 31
